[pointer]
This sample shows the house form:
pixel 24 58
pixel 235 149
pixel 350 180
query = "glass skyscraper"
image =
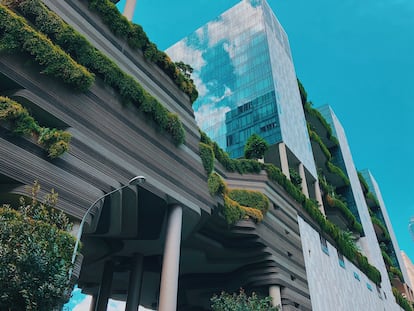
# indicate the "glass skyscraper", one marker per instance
pixel 246 80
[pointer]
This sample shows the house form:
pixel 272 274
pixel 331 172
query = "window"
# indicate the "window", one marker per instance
pixel 379 292
pixel 324 245
pixel 341 260
pixel 356 276
pixel 369 287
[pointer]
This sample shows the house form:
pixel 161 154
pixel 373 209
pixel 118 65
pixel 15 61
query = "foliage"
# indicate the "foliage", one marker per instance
pixel 241 302
pixel 310 111
pixel 55 141
pixel 232 211
pixel 250 198
pixel 303 94
pixel 315 137
pixel 295 178
pixel 396 273
pixel 387 258
pixel 35 256
pixel 334 202
pixel 17 35
pixel 87 55
pixel 216 185
pixel 255 147
pixel 363 182
pixel 403 302
pixel 385 234
pixel 311 207
pixel 336 170
pixel 137 39
pixel 207 157
pixel 372 197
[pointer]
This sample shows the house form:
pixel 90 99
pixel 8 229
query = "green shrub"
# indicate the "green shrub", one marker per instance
pixel 363 182
pixel 55 141
pixel 309 110
pixel 403 302
pixel 216 185
pixel 255 147
pixel 385 234
pixel 36 250
pixel 232 211
pixel 17 35
pixel 207 157
pixel 337 171
pixel 241 302
pixel 303 94
pixel 250 198
pixel 295 178
pixel 87 55
pixel 343 208
pixel 137 39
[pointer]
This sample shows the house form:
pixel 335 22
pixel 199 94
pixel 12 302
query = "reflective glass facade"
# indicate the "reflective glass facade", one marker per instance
pixel 247 84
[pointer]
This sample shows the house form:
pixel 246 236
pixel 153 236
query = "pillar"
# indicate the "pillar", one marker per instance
pixel 171 260
pixel 93 303
pixel 105 287
pixel 129 9
pixel 135 282
pixel 304 184
pixel 318 197
pixel 284 160
pixel 274 292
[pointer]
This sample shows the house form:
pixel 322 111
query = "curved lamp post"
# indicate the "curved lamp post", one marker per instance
pixel 132 182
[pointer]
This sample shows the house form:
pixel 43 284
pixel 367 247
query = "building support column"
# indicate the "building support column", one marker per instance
pixel 171 260
pixel 274 292
pixel 135 283
pixel 129 9
pixel 105 287
pixel 92 306
pixel 318 197
pixel 284 160
pixel 304 184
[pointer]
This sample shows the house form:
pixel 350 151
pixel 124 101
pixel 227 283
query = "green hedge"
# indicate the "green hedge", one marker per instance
pixel 350 218
pixel 337 171
pixel 363 182
pixel 311 207
pixel 315 113
pixel 403 302
pixel 207 157
pixel 137 39
pixel 384 229
pixel 17 35
pixel 55 141
pixel 371 196
pixel 249 198
pixel 87 55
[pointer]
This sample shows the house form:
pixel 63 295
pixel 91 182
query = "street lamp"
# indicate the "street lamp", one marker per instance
pixel 132 182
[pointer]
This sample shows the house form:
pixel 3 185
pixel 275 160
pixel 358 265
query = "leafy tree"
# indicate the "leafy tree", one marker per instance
pixel 241 302
pixel 35 255
pixel 255 147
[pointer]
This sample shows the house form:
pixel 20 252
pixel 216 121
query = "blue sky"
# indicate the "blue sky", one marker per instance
pixel 357 56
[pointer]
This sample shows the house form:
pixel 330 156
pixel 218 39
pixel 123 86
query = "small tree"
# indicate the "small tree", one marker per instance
pixel 35 255
pixel 255 147
pixel 240 301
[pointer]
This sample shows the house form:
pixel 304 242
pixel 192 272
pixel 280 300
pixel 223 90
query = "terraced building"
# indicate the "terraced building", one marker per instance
pixel 88 102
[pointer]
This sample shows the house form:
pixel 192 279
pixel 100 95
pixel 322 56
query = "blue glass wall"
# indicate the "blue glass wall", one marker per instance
pixel 246 80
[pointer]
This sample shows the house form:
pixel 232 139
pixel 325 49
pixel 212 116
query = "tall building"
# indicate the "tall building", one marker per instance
pixel 244 72
pixel 411 227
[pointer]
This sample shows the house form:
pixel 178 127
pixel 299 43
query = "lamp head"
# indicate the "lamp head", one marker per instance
pixel 136 180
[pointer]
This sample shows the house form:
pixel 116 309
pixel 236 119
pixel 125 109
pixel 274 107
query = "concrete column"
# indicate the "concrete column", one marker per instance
pixel 93 303
pixel 135 282
pixel 105 287
pixel 274 292
pixel 129 9
pixel 171 260
pixel 284 160
pixel 304 184
pixel 318 197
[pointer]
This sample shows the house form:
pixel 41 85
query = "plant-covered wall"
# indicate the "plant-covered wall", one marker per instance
pixel 55 141
pixel 88 56
pixel 17 35
pixel 137 39
pixel 343 240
